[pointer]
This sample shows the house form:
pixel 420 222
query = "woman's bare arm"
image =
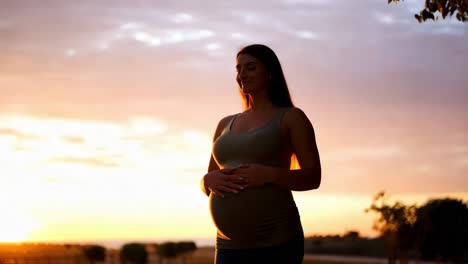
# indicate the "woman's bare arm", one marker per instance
pixel 302 137
pixel 212 166
pixel 302 141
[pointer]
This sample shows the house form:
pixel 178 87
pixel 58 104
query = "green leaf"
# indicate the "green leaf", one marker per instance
pixel 432 7
pixel 444 12
pixel 419 18
pixel 427 15
pixel 452 10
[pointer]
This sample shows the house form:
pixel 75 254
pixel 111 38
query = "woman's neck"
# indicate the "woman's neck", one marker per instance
pixel 260 103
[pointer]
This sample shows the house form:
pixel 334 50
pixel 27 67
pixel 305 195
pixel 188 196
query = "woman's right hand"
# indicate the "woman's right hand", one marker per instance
pixel 219 181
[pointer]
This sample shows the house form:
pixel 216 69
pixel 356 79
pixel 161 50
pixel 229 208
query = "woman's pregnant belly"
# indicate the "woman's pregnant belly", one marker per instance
pixel 255 213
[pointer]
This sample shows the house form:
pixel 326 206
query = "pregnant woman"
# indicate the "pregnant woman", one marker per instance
pixel 249 179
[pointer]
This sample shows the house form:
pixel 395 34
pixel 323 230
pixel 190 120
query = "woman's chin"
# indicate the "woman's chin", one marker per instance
pixel 246 90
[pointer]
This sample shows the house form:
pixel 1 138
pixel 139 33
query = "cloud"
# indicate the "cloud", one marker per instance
pixel 147 38
pixel 249 17
pixel 74 139
pixel 213 46
pixel 238 35
pixel 103 46
pixel 156 38
pixel 130 26
pixel 70 53
pixel 447 30
pixel 310 2
pixel 146 126
pixel 18 134
pixel 57 127
pixel 307 35
pixel 182 18
pixel 215 49
pixel 385 19
pixel 367 153
pixel 140 145
pixel 87 161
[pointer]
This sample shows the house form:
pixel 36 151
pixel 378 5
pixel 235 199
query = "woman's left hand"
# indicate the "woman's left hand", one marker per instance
pixel 256 175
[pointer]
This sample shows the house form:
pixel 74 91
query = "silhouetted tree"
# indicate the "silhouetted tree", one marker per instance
pixel 170 250
pixel 174 250
pixel 167 250
pixel 185 247
pixel 442 226
pixel 133 253
pixel 396 224
pixel 444 7
pixel 351 235
pixel 95 253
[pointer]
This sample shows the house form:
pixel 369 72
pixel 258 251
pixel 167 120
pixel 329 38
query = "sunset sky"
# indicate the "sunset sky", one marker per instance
pixel 108 108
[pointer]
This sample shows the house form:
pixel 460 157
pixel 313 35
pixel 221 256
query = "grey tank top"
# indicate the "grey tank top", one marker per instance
pixel 255 217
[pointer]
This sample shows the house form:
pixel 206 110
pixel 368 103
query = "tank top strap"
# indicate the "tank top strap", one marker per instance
pixel 228 126
pixel 279 115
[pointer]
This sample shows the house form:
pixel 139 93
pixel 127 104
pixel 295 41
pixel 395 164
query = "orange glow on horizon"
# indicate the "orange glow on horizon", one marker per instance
pixel 75 180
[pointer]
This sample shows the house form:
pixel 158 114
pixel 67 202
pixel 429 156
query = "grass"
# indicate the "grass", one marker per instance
pixel 73 255
pixel 205 255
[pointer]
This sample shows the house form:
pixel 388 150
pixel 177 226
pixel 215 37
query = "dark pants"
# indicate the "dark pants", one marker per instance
pixel 291 252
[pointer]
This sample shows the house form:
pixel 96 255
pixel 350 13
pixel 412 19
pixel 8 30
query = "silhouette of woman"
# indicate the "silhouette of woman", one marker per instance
pixel 249 179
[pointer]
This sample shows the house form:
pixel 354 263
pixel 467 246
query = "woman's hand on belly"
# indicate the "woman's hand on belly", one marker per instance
pixel 223 180
pixel 257 175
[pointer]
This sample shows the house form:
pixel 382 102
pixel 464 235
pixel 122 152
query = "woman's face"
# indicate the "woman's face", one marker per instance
pixel 252 75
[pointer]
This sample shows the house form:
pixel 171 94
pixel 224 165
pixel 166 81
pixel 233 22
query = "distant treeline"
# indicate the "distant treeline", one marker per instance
pixel 349 244
pixel 134 253
pixel 139 253
pixel 436 230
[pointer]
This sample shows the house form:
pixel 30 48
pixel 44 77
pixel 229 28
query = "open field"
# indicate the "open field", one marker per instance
pixel 205 256
pixel 72 254
pixel 53 255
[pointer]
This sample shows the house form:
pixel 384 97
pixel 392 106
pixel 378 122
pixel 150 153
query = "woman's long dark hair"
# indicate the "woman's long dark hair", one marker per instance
pixel 277 90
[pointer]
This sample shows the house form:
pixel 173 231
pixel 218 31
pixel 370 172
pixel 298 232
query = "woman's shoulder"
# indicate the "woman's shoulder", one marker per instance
pixel 293 111
pixel 225 120
pixel 222 124
pixel 293 115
